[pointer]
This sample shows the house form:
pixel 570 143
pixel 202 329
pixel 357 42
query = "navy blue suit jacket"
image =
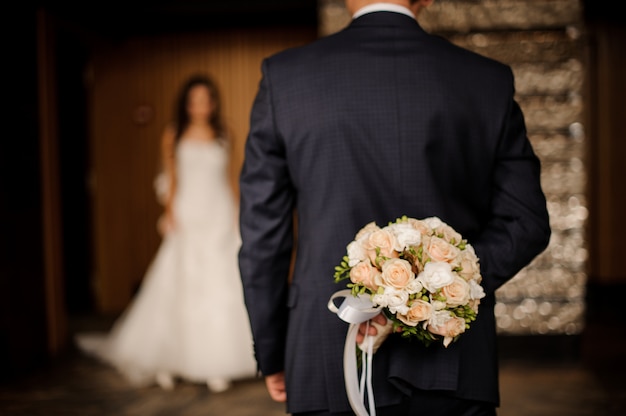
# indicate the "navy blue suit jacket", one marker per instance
pixel 378 121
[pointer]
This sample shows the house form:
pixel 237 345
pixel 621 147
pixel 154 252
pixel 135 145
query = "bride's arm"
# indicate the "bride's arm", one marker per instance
pixel 168 161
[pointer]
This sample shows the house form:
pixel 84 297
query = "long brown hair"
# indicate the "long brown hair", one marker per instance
pixel 181 120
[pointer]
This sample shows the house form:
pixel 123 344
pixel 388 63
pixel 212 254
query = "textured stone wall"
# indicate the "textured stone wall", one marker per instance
pixel 543 41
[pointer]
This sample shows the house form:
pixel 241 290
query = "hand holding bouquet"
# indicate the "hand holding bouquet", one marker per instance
pixel 422 273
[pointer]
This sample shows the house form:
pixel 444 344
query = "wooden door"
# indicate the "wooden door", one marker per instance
pixel 132 91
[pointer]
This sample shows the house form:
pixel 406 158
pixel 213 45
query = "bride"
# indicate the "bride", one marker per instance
pixel 188 319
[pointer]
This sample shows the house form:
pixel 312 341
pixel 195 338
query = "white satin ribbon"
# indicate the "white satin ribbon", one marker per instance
pixel 355 310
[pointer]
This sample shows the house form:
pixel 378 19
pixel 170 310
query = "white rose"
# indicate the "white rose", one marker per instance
pixel 394 299
pixel 414 286
pixel 399 310
pixel 476 290
pixel 379 299
pixel 356 253
pixel 433 222
pixel 406 235
pixel 438 305
pixel 436 275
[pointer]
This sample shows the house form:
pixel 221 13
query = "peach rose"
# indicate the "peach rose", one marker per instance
pixel 397 273
pixel 448 234
pixel 468 263
pixel 384 240
pixel 473 304
pixel 420 226
pixel 457 293
pixel 367 230
pixel 447 325
pixel 419 311
pixel 440 250
pixel 365 274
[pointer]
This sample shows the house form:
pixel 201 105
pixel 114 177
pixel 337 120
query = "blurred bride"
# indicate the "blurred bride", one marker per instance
pixel 188 319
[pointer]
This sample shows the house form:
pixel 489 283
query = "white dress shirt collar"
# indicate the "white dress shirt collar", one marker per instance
pixel 383 7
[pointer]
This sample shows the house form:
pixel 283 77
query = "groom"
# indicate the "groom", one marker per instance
pixel 378 121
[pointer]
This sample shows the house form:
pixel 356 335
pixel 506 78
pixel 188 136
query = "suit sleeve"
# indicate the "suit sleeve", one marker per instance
pixel 266 206
pixel 518 229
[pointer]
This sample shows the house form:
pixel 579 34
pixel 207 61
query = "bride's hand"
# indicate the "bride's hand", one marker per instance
pixel 165 224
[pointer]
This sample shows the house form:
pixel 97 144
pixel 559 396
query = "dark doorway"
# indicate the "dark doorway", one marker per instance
pixel 71 69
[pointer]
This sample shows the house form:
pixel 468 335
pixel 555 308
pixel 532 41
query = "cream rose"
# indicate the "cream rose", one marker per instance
pixel 397 273
pixel 473 304
pixel 365 274
pixel 419 311
pixel 366 231
pixel 447 325
pixel 384 240
pixel 468 263
pixel 420 226
pixel 448 233
pixel 440 250
pixel 457 293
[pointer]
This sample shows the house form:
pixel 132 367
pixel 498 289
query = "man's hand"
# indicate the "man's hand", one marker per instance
pixel 276 386
pixel 372 330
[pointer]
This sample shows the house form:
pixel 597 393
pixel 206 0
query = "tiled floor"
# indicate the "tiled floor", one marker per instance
pixel 562 376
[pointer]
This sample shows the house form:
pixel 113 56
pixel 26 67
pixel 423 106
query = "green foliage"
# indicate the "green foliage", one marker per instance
pixel 342 271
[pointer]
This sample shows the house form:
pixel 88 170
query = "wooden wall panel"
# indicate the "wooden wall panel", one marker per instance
pixel 132 92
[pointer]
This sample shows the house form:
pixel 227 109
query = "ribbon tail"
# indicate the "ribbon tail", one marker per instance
pixel 350 372
pixel 370 390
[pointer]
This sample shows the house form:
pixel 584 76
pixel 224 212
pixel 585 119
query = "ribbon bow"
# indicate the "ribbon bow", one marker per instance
pixel 355 310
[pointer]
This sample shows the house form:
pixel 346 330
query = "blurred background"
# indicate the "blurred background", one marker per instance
pixel 90 89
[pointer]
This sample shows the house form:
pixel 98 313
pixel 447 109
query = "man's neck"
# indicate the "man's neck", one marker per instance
pixel 383 7
pixel 354 5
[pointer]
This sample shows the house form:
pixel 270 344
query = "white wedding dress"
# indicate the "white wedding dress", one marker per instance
pixel 188 319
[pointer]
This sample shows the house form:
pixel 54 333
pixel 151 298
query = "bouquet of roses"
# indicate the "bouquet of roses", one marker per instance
pixel 422 273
